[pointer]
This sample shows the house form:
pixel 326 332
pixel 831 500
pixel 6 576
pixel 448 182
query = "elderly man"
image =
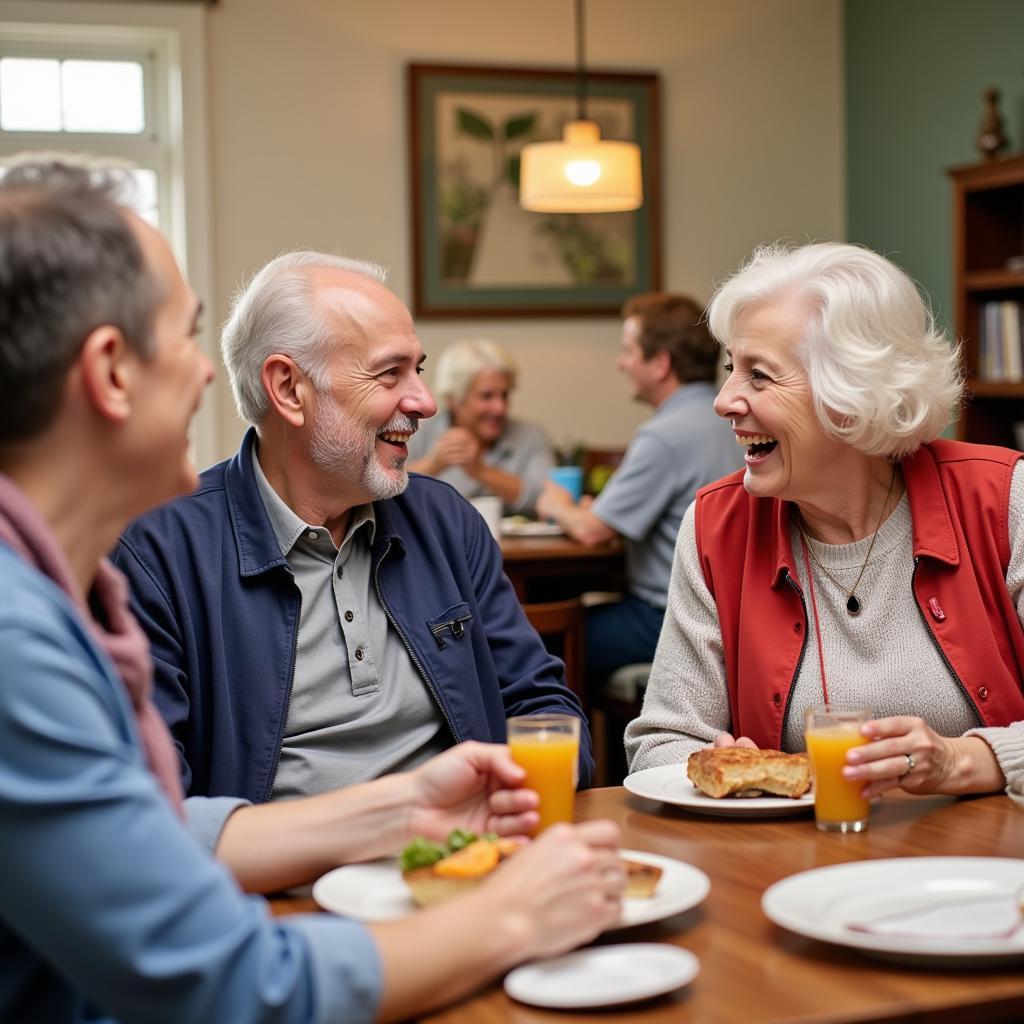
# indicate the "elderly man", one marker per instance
pixel 317 618
pixel 670 359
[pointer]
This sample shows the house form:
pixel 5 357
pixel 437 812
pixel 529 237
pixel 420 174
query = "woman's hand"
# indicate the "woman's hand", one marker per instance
pixel 724 739
pixel 907 753
pixel 455 447
pixel 476 786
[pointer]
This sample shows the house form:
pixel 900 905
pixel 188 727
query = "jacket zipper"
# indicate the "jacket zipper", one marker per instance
pixel 405 642
pixel 803 650
pixel 288 702
pixel 938 646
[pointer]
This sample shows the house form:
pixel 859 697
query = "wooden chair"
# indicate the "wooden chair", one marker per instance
pixel 560 625
pixel 620 700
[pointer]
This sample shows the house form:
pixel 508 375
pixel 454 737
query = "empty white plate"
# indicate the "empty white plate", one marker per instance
pixel 603 976
pixel 945 910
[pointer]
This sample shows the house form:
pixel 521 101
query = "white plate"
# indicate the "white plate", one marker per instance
pixel 833 903
pixel 603 976
pixel 511 527
pixel 669 784
pixel 376 892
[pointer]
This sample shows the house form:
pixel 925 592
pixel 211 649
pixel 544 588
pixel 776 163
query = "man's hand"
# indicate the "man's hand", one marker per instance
pixel 455 447
pixel 476 786
pixel 552 499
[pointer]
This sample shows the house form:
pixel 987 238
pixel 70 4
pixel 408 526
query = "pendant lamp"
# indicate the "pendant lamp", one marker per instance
pixel 582 173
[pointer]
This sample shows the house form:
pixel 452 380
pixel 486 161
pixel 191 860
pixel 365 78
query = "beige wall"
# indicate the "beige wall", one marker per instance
pixel 307 147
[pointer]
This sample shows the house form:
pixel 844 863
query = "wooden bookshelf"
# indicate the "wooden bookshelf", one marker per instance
pixel 988 230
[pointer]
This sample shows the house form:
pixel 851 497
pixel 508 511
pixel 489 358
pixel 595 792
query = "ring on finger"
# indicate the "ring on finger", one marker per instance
pixel 911 764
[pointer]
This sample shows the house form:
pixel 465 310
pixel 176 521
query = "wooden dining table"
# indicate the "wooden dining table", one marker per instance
pixel 755 972
pixel 549 568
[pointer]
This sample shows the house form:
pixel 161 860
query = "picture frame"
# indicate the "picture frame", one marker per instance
pixel 475 251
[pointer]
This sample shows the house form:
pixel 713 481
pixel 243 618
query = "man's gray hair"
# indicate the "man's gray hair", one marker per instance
pixel 461 361
pixel 70 262
pixel 883 376
pixel 277 312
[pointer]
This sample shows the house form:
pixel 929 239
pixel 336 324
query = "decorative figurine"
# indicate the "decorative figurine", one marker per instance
pixel 991 138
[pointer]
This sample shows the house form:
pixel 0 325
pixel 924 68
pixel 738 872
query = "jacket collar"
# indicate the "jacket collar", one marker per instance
pixel 258 548
pixel 933 528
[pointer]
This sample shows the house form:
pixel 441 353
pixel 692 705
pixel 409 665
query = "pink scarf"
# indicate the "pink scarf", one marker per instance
pixel 24 530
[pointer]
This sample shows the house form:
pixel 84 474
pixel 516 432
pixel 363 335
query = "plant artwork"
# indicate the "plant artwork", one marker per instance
pixel 476 252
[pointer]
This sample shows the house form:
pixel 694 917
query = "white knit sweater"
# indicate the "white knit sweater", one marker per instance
pixel 884 658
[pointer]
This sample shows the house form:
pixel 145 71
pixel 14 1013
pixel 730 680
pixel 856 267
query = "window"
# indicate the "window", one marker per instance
pixel 133 91
pixel 71 91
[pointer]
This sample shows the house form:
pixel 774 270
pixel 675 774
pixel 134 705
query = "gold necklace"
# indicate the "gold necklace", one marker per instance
pixel 853 602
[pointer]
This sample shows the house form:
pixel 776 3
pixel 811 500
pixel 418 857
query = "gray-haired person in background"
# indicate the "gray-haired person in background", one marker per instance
pixel 472 443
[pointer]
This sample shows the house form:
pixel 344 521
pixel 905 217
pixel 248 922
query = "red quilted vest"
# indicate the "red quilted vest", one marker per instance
pixel 959 496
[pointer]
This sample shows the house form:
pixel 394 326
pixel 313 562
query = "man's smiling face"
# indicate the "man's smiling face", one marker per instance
pixel 361 424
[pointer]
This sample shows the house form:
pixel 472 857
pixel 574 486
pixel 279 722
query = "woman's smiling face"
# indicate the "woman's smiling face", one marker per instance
pixel 767 399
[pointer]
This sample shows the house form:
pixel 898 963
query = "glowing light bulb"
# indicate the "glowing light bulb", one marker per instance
pixel 583 172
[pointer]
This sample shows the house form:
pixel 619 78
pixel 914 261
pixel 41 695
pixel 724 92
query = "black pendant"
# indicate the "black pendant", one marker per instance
pixel 853 605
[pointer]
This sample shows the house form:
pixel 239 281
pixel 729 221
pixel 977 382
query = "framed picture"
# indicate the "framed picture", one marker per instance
pixel 476 253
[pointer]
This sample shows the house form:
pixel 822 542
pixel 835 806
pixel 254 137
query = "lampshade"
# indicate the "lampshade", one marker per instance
pixel 580 174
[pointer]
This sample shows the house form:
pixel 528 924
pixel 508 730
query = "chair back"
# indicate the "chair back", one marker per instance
pixel 562 621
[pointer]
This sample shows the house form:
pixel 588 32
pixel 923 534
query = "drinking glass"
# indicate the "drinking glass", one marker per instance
pixel 830 731
pixel 547 746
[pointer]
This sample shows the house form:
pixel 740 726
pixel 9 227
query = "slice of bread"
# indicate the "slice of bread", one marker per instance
pixel 727 771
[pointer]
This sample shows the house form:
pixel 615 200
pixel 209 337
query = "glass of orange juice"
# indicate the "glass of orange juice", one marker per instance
pixel 830 731
pixel 547 746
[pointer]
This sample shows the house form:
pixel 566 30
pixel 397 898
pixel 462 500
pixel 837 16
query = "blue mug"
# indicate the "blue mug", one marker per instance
pixel 569 477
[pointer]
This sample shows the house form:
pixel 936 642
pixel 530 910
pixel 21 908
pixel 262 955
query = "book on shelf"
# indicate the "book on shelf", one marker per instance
pixel 1000 342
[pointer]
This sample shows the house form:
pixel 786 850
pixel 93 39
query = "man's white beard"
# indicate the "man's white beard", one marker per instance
pixel 347 449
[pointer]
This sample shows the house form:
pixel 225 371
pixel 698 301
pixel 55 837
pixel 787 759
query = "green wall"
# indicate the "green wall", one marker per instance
pixel 915 71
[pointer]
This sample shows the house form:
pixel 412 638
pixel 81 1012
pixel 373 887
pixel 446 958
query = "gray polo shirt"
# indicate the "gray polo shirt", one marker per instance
pixel 358 707
pixel 682 447
pixel 522 450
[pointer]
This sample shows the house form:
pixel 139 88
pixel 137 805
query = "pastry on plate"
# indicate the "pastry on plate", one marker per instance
pixel 740 771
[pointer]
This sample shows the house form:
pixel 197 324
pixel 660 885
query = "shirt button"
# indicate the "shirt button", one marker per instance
pixel 311 534
pixel 359 654
pixel 340 571
pixel 797 627
pixel 777 699
pixel 982 693
pixel 349 616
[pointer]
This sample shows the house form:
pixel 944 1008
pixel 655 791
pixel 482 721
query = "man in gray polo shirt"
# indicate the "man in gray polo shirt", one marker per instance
pixel 317 616
pixel 670 359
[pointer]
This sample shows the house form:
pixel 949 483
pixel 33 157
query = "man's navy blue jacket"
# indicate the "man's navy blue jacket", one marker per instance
pixel 213 591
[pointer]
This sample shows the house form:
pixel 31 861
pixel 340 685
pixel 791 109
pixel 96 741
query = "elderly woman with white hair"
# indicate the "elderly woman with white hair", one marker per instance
pixel 473 444
pixel 856 559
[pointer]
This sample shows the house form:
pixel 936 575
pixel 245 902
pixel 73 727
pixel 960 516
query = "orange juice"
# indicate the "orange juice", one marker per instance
pixel 550 761
pixel 835 799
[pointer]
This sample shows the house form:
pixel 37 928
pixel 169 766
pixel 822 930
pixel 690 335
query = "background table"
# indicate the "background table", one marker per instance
pixel 553 568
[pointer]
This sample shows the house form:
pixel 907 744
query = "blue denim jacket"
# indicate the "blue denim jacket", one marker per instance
pixel 213 591
pixel 109 908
